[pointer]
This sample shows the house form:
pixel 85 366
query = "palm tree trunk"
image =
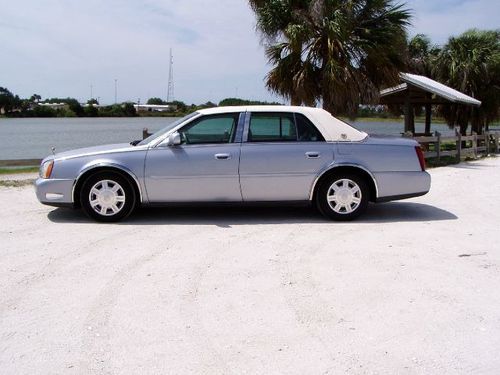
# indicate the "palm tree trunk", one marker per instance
pixel 327 101
pixel 294 100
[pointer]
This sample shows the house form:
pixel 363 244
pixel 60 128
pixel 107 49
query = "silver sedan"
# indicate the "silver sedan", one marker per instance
pixel 239 155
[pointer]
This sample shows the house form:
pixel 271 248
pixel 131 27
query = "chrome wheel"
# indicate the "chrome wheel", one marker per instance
pixel 344 196
pixel 107 197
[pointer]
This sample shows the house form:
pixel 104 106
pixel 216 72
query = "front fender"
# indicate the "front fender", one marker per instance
pixel 106 164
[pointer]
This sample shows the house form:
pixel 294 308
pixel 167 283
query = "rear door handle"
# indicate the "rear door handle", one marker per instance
pixel 313 155
pixel 223 156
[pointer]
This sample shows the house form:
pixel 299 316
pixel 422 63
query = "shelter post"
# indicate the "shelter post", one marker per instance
pixel 409 115
pixel 428 115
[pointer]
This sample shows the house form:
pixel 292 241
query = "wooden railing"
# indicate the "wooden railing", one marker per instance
pixel 459 146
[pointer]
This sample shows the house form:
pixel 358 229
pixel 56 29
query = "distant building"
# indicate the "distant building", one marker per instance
pixel 54 105
pixel 155 107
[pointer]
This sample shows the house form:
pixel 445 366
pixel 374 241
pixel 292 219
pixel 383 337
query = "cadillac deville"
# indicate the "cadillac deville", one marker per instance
pixel 239 155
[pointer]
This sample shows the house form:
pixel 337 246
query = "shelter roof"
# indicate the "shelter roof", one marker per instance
pixel 418 83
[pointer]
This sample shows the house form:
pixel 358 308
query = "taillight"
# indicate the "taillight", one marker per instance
pixel 421 158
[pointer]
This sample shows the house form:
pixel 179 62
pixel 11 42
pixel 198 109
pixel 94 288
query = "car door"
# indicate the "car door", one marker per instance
pixel 204 167
pixel 281 155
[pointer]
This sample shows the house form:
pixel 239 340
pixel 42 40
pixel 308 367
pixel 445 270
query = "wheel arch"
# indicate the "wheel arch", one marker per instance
pixel 104 167
pixel 346 168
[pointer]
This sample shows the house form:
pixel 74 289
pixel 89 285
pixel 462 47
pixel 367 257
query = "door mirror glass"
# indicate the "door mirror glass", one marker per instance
pixel 173 139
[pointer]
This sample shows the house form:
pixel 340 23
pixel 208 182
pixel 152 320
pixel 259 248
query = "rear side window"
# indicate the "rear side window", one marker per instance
pixel 306 131
pixel 269 127
pixel 282 127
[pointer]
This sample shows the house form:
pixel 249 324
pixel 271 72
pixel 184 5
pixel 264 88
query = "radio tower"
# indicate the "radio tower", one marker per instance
pixel 170 92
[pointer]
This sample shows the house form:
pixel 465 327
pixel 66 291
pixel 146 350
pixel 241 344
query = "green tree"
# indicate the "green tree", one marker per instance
pixel 470 63
pixel 90 111
pixel 43 111
pixel 334 51
pixel 238 101
pixel 8 101
pixel 35 98
pixel 208 104
pixel 180 106
pixel 73 104
pixel 156 101
pixel 421 55
pixel 129 110
pixel 92 102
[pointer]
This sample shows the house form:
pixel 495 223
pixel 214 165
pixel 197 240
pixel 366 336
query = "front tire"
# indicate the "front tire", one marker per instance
pixel 343 197
pixel 107 197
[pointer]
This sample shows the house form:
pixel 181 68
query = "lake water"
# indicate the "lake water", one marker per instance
pixel 32 138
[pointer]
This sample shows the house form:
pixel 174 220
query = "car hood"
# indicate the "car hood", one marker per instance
pixel 97 150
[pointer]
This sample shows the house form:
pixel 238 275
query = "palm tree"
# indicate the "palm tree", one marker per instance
pixel 470 63
pixel 421 55
pixel 335 51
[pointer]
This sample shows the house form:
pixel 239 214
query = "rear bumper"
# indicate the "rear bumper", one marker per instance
pixel 402 185
pixel 399 197
pixel 55 192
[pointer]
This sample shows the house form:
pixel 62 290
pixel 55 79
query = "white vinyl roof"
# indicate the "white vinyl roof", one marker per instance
pixel 332 128
pixel 433 87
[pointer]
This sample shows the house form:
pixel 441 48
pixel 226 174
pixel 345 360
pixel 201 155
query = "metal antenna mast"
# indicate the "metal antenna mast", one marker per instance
pixel 170 92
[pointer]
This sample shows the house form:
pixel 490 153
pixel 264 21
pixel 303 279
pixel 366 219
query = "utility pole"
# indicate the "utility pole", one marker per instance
pixel 116 91
pixel 91 91
pixel 170 90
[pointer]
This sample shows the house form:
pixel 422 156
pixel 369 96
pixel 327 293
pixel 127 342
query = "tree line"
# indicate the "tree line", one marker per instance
pixel 12 105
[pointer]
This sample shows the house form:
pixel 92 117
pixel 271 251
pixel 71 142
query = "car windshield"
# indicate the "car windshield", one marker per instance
pixel 170 126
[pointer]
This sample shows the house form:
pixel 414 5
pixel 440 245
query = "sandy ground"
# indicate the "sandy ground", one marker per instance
pixel 412 288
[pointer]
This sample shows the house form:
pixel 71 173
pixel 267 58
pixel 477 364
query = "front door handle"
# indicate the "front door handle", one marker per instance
pixel 313 155
pixel 222 156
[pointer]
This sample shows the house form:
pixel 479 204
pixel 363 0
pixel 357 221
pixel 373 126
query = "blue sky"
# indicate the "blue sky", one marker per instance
pixel 61 47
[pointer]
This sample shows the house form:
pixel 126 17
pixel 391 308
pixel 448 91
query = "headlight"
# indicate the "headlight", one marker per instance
pixel 46 169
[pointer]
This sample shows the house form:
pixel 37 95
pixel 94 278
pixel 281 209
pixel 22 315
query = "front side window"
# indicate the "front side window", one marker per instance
pixel 210 129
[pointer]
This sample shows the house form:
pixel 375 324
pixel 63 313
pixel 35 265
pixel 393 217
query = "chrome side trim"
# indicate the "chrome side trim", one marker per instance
pixel 333 166
pixel 100 165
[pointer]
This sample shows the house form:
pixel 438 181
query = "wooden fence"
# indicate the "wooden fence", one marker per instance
pixel 459 146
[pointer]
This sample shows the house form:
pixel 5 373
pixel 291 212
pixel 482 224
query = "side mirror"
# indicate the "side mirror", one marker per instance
pixel 174 139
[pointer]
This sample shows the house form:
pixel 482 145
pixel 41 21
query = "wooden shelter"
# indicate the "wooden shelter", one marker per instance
pixel 416 90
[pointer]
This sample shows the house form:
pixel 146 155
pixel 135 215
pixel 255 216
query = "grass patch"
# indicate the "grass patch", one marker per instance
pixel 442 162
pixel 16 183
pixel 16 170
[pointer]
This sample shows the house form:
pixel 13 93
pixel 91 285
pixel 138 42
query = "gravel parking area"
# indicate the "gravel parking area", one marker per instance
pixel 411 288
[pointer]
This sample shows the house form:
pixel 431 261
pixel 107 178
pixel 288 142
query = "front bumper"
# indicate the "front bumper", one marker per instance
pixel 55 192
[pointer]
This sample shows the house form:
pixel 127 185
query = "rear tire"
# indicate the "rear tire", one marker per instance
pixel 107 197
pixel 343 197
